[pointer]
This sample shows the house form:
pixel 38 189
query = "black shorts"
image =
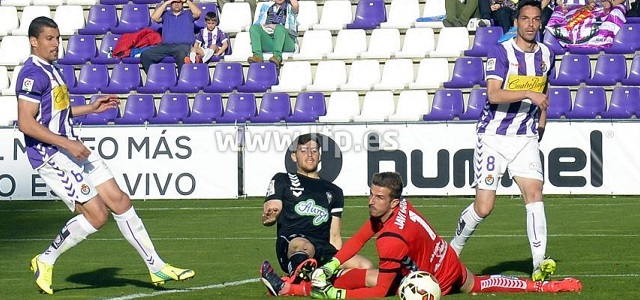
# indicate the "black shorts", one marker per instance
pixel 324 250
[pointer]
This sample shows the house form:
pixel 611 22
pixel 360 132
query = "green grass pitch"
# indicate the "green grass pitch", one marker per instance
pixel 593 238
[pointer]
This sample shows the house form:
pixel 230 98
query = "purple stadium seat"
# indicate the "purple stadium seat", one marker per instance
pixel 447 104
pixel 610 69
pixel 146 1
pixel 633 20
pixel 113 2
pixel 467 72
pixel 369 15
pixel 108 43
pixel 206 109
pixel 101 19
pixel 240 108
pixel 161 77
pixel 77 100
pixel 485 38
pixel 626 41
pixel 80 49
pixel 138 109
pixel 91 79
pixel 574 69
pixel 477 100
pixel 553 44
pixel 124 79
pixel 309 106
pixel 102 118
pixel 69 75
pixel 172 109
pixel 193 78
pixel 273 108
pixel 227 77
pixel 133 18
pixel 260 78
pixel 625 101
pixel 205 7
pixel 634 72
pixel 590 102
pixel 585 50
pixel 559 102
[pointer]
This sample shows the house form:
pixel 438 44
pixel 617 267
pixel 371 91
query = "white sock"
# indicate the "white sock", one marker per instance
pixel 192 57
pixel 469 219
pixel 537 231
pixel 75 231
pixel 208 53
pixel 133 230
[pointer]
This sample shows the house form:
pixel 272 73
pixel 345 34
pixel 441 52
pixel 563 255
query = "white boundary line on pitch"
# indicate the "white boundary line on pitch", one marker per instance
pixel 346 237
pixel 242 282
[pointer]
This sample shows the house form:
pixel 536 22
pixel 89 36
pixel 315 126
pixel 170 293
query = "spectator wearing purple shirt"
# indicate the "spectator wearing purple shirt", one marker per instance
pixel 79 177
pixel 177 32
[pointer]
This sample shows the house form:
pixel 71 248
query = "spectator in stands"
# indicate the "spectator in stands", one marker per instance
pixel 275 30
pixel 76 174
pixel 252 5
pixel 503 12
pixel 177 32
pixel 210 41
pixel 459 12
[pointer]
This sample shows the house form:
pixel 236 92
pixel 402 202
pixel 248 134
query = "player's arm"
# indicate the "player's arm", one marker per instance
pixel 353 245
pixel 271 211
pixel 101 104
pixel 334 236
pixel 497 95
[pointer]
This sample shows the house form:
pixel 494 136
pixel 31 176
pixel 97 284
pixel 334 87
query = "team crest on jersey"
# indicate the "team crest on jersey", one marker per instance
pixel 329 197
pixel 85 189
pixel 543 67
pixel 27 84
pixel 309 208
pixel 491 64
pixel 271 189
pixel 489 180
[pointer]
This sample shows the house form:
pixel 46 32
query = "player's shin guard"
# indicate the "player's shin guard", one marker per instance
pixel 469 219
pixel 135 233
pixel 75 231
pixel 537 231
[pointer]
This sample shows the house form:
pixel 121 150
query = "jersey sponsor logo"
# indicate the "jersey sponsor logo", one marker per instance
pixel 27 84
pixel 60 97
pixel 309 208
pixel 271 189
pixel 491 64
pixel 524 83
pixel 295 188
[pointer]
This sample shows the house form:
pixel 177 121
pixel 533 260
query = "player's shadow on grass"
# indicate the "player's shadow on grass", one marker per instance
pixel 105 278
pixel 523 266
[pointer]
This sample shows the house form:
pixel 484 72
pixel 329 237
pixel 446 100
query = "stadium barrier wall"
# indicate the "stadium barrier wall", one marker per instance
pixel 225 161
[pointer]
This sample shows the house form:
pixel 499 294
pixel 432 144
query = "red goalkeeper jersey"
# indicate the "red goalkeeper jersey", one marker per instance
pixel 407 237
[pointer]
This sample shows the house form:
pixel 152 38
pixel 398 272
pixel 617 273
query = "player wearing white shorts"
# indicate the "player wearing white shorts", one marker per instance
pixel 81 179
pixel 509 129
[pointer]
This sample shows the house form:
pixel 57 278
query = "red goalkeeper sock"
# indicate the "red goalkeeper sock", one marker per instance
pixel 354 279
pixel 499 283
pixel 296 289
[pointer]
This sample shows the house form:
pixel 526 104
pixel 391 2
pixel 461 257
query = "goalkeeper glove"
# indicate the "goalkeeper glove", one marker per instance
pixel 321 275
pixel 328 292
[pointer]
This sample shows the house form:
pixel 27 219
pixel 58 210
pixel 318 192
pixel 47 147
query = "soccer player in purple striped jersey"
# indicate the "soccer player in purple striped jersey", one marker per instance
pixel 79 177
pixel 509 131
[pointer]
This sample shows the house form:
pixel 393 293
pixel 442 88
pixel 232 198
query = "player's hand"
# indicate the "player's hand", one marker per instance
pixel 270 216
pixel 77 150
pixel 105 102
pixel 539 99
pixel 322 274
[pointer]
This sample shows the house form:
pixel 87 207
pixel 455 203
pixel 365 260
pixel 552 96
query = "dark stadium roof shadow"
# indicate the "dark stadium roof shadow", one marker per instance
pixel 103 278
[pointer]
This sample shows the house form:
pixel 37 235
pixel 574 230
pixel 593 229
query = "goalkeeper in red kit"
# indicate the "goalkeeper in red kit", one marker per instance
pixel 407 242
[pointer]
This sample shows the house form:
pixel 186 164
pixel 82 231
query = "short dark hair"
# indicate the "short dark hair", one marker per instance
pixel 305 138
pixel 390 180
pixel 211 16
pixel 38 24
pixel 525 3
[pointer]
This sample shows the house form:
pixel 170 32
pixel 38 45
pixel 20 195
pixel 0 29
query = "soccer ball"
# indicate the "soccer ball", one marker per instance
pixel 419 285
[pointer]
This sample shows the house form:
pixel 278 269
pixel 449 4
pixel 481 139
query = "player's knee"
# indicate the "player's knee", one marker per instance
pixel 483 210
pixel 301 244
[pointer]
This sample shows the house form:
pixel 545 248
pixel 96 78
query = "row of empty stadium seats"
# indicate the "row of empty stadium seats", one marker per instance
pixel 377 106
pixel 330 75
